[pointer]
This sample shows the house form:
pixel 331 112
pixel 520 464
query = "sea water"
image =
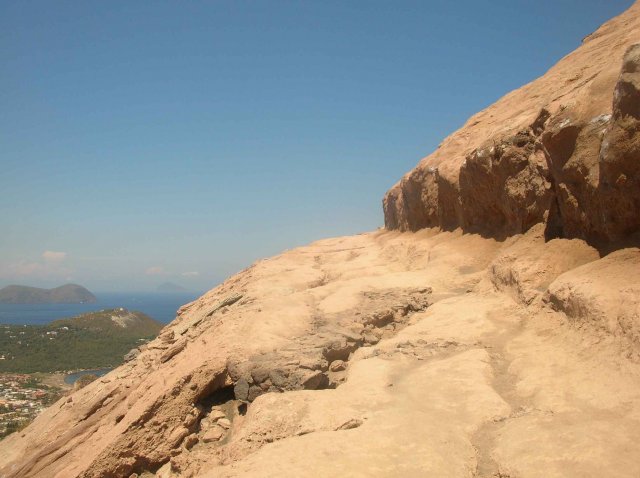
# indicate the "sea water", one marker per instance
pixel 159 306
pixel 73 377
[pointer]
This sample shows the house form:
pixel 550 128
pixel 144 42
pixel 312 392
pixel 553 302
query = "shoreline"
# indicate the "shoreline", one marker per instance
pixel 53 379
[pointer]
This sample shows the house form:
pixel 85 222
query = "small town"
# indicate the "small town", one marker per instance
pixel 22 398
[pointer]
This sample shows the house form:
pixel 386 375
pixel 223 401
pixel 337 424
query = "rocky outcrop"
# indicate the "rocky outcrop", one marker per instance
pixel 619 159
pixel 528 264
pixel 562 151
pixel 604 296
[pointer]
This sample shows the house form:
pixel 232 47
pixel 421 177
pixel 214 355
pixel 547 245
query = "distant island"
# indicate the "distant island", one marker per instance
pixel 65 294
pixel 170 287
pixel 88 341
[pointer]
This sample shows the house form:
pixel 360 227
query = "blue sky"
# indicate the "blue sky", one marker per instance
pixel 142 142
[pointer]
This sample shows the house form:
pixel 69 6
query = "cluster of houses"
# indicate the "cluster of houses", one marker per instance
pixel 20 401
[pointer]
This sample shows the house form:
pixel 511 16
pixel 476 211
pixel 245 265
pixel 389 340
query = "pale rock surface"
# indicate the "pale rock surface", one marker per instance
pixel 475 384
pixel 528 264
pixel 604 296
pixel 437 353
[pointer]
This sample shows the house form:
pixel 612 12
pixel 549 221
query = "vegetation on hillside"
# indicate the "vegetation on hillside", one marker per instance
pixel 93 340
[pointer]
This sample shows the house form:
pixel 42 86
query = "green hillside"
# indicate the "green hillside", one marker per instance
pixel 92 340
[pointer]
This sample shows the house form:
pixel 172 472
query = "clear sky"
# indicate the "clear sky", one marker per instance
pixel 143 142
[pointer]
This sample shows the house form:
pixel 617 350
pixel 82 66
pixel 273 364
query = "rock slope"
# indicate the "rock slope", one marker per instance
pixel 493 341
pixel 562 150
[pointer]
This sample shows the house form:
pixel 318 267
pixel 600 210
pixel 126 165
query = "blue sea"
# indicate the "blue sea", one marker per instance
pixel 160 306
pixel 73 377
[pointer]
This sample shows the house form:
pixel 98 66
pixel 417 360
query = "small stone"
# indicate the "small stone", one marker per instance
pixel 371 338
pixel 214 433
pixel 254 392
pixel 260 374
pixel 621 181
pixel 241 389
pixel 168 337
pixel 216 415
pixel 131 354
pixel 337 366
pixel 164 471
pixel 190 441
pixel 176 436
pixel 189 420
pixel 278 378
pixel 311 363
pixel 224 423
pixel 350 424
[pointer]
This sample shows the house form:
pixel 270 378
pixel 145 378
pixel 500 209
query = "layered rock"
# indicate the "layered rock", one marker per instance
pixel 276 327
pixel 562 150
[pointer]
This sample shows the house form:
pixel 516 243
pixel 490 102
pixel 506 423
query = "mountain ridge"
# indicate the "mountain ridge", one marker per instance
pixel 64 294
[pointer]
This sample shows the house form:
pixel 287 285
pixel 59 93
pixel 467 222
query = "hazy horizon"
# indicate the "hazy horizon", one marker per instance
pixel 146 142
pixel 152 289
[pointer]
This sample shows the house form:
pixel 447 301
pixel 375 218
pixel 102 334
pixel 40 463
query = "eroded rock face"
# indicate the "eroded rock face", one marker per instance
pixel 505 187
pixel 619 175
pixel 604 296
pixel 562 151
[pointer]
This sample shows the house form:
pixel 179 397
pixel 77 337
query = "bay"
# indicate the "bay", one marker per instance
pixel 73 377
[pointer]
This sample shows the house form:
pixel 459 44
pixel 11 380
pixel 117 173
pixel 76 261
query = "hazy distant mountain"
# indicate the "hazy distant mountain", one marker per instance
pixel 65 294
pixel 170 287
